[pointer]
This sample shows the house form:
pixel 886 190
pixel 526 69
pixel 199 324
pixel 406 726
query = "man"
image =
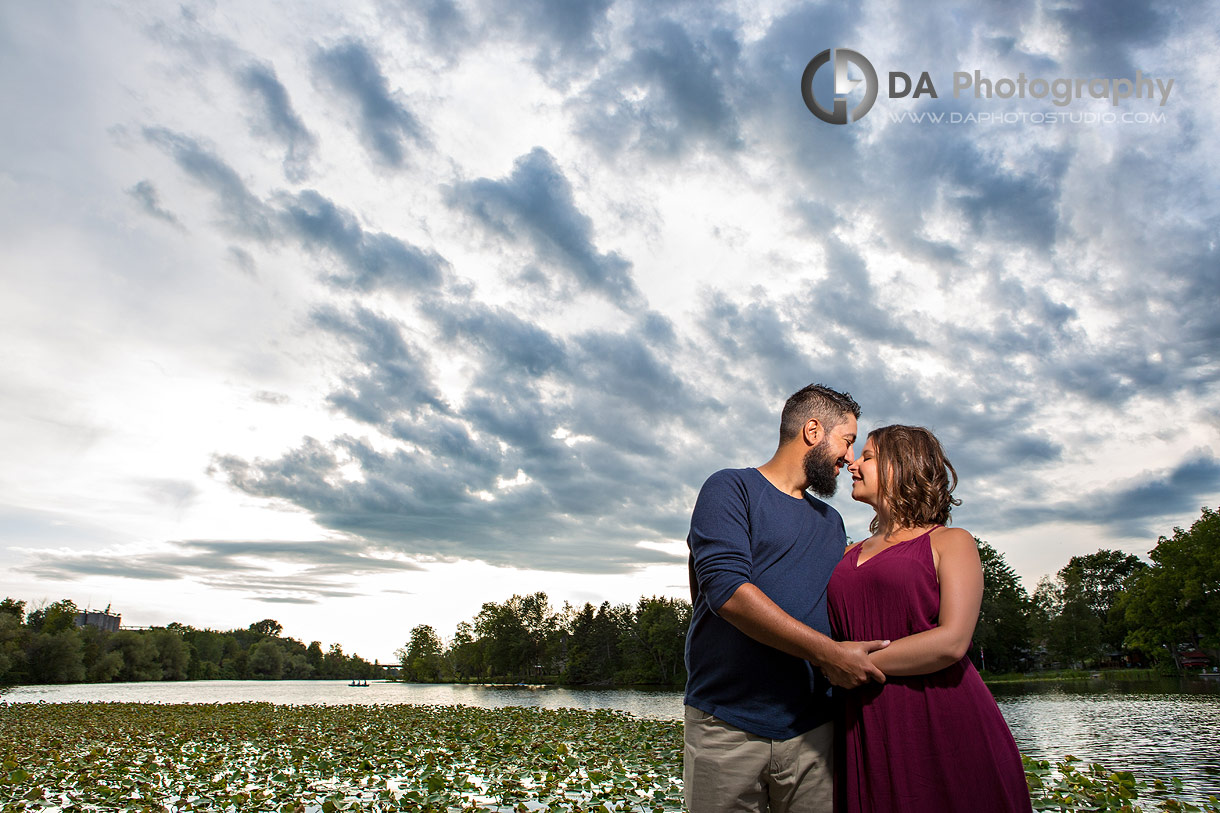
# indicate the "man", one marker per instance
pixel 758 713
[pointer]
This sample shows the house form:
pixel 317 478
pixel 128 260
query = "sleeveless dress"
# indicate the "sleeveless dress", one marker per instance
pixel 931 743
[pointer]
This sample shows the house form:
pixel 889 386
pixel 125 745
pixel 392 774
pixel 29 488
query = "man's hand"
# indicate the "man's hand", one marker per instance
pixel 848 665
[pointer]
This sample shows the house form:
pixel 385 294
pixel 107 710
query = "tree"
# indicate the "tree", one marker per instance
pixel 1092 584
pixel 465 654
pixel 1002 634
pixel 266 660
pixel 1176 601
pixel 139 655
pixel 422 658
pixel 313 654
pixel 657 640
pixel 516 634
pixel 13 635
pixel 56 657
pixel 595 644
pixel 54 618
pixel 171 653
pixel 13 607
pixel 268 626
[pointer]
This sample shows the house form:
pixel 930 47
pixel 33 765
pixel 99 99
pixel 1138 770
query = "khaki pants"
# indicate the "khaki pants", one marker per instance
pixel 726 769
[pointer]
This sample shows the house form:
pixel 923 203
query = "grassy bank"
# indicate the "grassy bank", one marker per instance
pixel 302 759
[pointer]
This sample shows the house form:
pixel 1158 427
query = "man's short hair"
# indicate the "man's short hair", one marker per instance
pixel 830 407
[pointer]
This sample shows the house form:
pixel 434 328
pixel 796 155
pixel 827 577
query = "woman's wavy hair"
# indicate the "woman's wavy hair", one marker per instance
pixel 915 480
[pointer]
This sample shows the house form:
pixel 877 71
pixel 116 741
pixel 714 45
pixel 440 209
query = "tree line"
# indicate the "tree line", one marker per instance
pixel 1107 608
pixel 47 646
pixel 522 638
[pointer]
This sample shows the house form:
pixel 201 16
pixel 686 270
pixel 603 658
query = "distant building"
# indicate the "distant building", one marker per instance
pixel 102 619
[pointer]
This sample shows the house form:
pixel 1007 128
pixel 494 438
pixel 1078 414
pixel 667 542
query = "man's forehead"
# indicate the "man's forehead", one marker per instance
pixel 848 428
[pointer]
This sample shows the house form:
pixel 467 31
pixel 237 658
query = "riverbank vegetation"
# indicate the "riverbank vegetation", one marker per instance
pixel 305 759
pixel 47 646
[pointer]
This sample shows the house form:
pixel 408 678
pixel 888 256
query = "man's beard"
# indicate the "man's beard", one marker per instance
pixel 820 469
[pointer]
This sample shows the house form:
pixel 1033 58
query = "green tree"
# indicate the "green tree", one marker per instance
pixel 1176 601
pixel 422 658
pixel 1093 584
pixel 465 653
pixel 172 655
pixel 517 634
pixel 335 663
pixel 1002 634
pixel 268 626
pixel 13 645
pixel 139 655
pixel 266 660
pixel 657 640
pixel 314 656
pixel 54 618
pixel 13 607
pixel 206 648
pixel 595 644
pixel 56 657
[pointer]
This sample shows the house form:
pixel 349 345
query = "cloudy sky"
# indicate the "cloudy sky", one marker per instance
pixel 359 318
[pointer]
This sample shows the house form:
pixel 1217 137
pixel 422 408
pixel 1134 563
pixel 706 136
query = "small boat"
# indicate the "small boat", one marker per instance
pixel 359 684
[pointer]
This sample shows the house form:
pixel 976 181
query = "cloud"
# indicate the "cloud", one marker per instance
pixel 386 126
pixel 239 210
pixel 371 260
pixel 669 95
pixel 394 376
pixel 178 493
pixel 518 471
pixel 146 195
pixel 276 117
pixel 536 202
pixel 297 572
pixel 1134 508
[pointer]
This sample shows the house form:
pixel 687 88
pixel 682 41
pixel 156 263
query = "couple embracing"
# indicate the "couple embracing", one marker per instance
pixel 822 679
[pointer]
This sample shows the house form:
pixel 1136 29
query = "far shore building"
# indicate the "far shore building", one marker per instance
pixel 102 619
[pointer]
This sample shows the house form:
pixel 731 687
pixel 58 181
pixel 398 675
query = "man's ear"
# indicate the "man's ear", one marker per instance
pixel 813 431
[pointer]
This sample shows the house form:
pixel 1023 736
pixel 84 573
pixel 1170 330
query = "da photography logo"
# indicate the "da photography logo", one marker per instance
pixel 1012 99
pixel 843 86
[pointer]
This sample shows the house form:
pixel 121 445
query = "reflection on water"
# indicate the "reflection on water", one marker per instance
pixel 1156 730
pixel 661 704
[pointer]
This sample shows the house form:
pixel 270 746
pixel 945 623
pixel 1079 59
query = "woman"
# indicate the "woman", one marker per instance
pixel 931 737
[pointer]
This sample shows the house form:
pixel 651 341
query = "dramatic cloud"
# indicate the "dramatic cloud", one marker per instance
pixel 387 127
pixel 536 203
pixel 275 116
pixel 475 286
pixel 371 259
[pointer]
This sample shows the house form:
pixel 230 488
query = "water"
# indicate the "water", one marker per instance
pixel 1155 729
pixel 663 705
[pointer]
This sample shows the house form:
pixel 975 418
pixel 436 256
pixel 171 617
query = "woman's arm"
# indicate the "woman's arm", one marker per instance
pixel 961 594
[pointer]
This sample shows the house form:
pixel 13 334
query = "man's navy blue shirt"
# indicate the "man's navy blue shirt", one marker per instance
pixel 744 529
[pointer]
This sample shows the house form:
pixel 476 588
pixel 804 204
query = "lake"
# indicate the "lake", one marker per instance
pixel 1157 729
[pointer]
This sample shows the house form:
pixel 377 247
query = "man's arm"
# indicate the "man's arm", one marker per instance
pixel 844 663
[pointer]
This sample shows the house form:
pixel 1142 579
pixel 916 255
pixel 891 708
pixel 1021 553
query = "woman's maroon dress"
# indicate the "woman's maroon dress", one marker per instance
pixel 930 743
